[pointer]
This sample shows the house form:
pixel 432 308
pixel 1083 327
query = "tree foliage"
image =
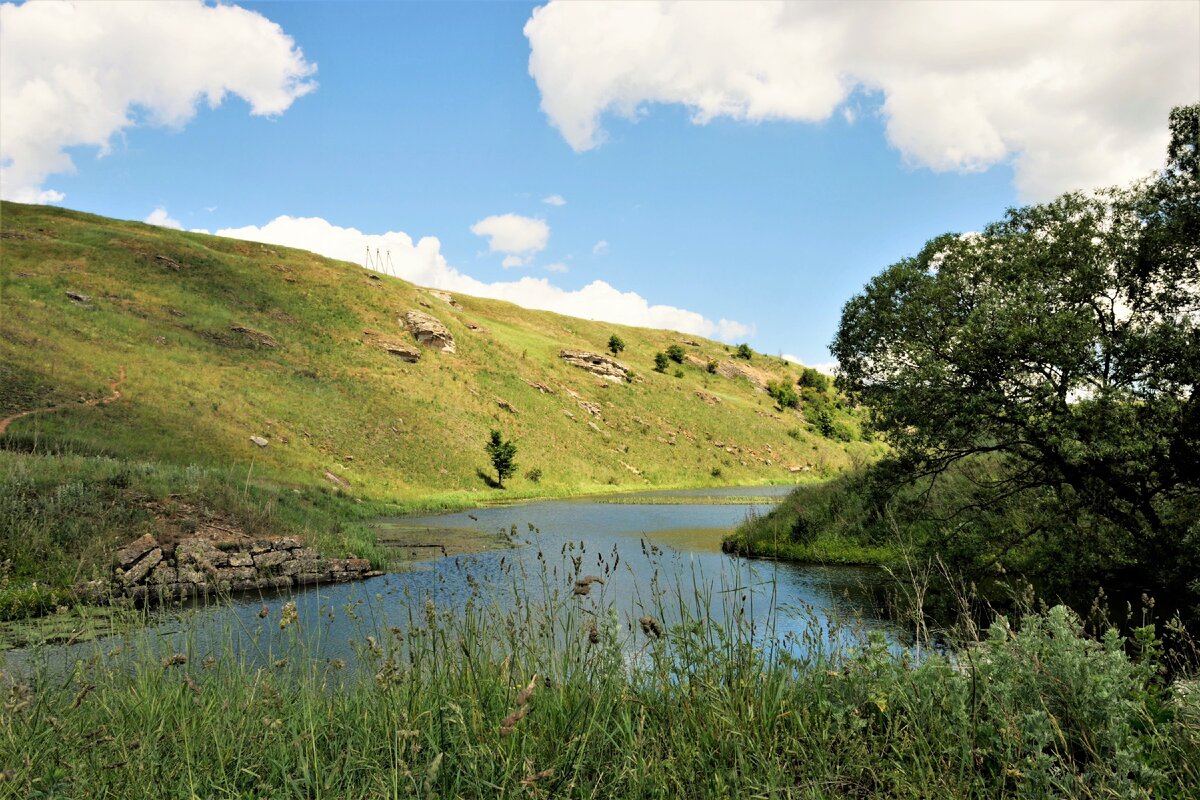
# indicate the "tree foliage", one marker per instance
pixel 503 454
pixel 616 345
pixel 1064 340
pixel 661 362
pixel 675 353
pixel 743 351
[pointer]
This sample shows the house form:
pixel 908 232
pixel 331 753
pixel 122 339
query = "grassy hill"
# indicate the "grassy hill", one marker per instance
pixel 89 303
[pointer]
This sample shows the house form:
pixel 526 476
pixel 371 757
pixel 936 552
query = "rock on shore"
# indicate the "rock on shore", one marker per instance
pixel 146 570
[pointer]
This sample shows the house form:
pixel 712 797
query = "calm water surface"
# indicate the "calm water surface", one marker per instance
pixel 662 560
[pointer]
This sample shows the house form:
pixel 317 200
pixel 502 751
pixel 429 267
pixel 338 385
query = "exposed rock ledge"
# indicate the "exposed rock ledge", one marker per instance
pixel 429 332
pixel 145 570
pixel 607 368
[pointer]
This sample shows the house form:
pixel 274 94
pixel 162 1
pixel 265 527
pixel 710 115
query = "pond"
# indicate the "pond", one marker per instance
pixel 656 555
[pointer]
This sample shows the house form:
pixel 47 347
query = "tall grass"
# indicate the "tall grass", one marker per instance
pixel 557 694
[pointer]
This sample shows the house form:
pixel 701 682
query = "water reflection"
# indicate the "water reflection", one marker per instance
pixel 662 561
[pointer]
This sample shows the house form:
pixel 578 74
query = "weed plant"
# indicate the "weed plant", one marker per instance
pixel 544 688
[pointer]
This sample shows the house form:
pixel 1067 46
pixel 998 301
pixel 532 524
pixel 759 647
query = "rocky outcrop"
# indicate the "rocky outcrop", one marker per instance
pixel 401 351
pixel 144 570
pixel 597 364
pixel 256 338
pixel 740 369
pixel 445 297
pixel 429 332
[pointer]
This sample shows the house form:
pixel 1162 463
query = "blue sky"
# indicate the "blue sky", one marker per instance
pixel 425 119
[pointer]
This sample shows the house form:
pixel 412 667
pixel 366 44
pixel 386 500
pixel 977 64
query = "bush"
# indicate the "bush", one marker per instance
pixel 675 353
pixel 534 475
pixel 616 344
pixel 711 367
pixel 678 373
pixel 813 379
pixel 661 362
pixel 743 351
pixel 783 394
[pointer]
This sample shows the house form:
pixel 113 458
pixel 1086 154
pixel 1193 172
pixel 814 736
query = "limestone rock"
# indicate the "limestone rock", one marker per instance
pixel 271 558
pixel 429 332
pixel 401 351
pixel 260 441
pixel 135 550
pixel 337 480
pixel 257 338
pixel 597 364
pixel 739 369
pixel 141 569
pixel 445 297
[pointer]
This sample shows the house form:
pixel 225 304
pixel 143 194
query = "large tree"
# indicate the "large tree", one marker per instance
pixel 1061 343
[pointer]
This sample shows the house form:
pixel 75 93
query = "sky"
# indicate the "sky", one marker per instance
pixel 731 170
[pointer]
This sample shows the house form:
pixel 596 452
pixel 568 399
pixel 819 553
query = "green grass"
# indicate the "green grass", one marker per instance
pixel 196 391
pixel 327 399
pixel 561 698
pixel 836 521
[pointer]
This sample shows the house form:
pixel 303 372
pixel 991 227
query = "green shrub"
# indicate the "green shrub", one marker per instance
pixel 661 362
pixel 783 394
pixel 616 344
pixel 675 353
pixel 534 475
pixel 814 379
pixel 711 367
pixel 743 351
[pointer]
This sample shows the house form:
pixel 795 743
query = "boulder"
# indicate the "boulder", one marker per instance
pixel 429 332
pixel 401 351
pixel 608 368
pixel 260 441
pixel 135 550
pixel 141 569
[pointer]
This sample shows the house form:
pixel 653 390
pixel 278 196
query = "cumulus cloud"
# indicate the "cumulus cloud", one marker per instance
pixel 160 217
pixel 423 263
pixel 512 233
pixel 1074 95
pixel 827 367
pixel 554 200
pixel 75 74
pixel 600 248
pixel 557 266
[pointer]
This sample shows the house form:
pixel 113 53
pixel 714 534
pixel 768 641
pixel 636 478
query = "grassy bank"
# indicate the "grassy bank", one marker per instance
pixel 827 522
pixel 563 698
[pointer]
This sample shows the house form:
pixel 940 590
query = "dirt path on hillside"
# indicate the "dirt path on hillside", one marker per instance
pixel 114 388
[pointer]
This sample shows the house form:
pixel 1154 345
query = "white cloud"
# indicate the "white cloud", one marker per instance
pixel 513 261
pixel 513 234
pixel 422 263
pixel 558 267
pixel 160 217
pixel 827 367
pixel 1074 94
pixel 600 248
pixel 554 200
pixel 75 74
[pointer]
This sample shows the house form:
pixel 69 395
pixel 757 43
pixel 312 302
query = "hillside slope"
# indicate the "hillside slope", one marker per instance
pixel 307 372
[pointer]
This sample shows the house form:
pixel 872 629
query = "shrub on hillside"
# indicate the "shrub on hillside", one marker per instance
pixel 675 353
pixel 661 362
pixel 743 351
pixel 616 344
pixel 783 394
